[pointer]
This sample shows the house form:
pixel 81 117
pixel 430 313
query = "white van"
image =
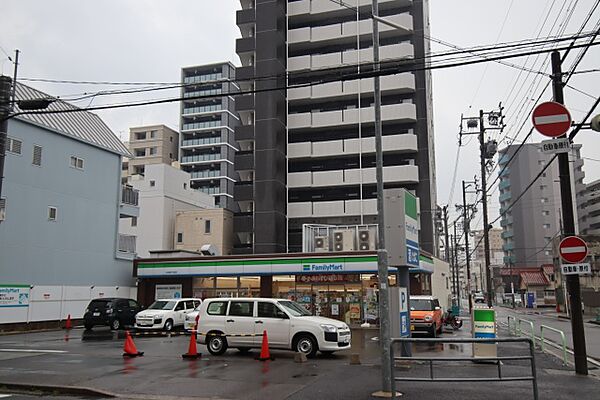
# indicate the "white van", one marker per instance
pixel 227 322
pixel 165 314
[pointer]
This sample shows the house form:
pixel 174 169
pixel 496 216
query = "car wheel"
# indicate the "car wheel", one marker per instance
pixel 244 350
pixel 115 325
pixel 88 327
pixel 306 344
pixel 216 345
pixel 169 325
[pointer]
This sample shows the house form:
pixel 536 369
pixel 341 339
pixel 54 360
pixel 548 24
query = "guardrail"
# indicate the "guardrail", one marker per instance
pixel 520 331
pixel 500 378
pixel 562 335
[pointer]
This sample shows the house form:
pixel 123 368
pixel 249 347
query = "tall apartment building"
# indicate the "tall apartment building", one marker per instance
pixel 531 224
pixel 588 209
pixel 208 120
pixel 153 144
pixel 313 158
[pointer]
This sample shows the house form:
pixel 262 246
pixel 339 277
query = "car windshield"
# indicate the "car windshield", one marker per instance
pixel 294 308
pixel 162 305
pixel 421 305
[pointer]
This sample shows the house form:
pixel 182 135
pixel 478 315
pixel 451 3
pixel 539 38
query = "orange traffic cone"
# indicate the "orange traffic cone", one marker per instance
pixel 264 350
pixel 557 307
pixel 192 353
pixel 129 349
pixel 68 324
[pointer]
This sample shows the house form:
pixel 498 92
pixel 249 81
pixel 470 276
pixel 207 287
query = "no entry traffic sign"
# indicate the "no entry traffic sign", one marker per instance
pixel 551 119
pixel 573 249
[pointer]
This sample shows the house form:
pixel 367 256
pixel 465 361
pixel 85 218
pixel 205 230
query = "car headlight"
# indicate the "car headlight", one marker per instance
pixel 428 318
pixel 329 328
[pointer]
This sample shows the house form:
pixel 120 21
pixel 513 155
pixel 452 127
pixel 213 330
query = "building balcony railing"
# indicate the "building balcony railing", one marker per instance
pixel 126 243
pixel 130 195
pixel 201 141
pixel 202 109
pixel 201 157
pixel 202 125
pixel 506 234
pixel 505 196
pixel 203 78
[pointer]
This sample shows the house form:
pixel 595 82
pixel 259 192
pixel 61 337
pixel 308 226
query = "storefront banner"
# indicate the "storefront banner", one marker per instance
pixel 168 292
pixel 14 296
pixel 328 278
pixel 252 267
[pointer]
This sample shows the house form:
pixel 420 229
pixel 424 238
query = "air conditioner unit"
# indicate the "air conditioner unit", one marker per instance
pixel 343 240
pixel 321 243
pixel 366 240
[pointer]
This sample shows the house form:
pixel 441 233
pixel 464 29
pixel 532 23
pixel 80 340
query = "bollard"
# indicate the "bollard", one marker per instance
pixel 300 358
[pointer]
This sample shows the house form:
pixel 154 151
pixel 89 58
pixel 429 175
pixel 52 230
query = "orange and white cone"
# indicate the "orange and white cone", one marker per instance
pixel 129 349
pixel 192 353
pixel 68 324
pixel 265 354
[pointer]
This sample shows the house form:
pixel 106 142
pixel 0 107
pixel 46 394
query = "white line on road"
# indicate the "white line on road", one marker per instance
pixel 32 351
pixel 3 396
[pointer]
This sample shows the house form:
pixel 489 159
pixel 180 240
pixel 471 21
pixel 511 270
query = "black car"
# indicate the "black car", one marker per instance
pixel 112 311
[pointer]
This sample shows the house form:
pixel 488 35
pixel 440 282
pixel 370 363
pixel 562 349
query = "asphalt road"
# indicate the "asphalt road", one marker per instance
pixel 550 318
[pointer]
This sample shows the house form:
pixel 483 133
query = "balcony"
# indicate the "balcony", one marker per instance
pixel 505 196
pixel 244 160
pixel 243 222
pixel 245 45
pixel 244 132
pixel 126 244
pixel 244 103
pixel 508 246
pixel 396 174
pixel 244 73
pixel 129 205
pixel 337 208
pixel 243 191
pixel 402 143
pixel 247 16
pixel 506 221
pixel 504 184
pixel 509 259
pixel 507 234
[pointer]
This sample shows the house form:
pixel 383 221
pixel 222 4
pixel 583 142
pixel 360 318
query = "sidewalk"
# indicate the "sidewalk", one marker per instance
pixel 162 374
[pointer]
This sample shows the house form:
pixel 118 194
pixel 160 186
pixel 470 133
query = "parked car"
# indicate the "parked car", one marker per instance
pixel 288 324
pixel 112 311
pixel 479 298
pixel 425 315
pixel 166 314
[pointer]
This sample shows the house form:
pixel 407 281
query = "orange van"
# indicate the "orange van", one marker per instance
pixel 425 315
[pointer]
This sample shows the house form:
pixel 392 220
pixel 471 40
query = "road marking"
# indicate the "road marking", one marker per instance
pixel 32 351
pixel 3 396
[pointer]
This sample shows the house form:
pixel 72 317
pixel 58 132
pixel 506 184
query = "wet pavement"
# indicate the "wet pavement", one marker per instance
pixel 59 358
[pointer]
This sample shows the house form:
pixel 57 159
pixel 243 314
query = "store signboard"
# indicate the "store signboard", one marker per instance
pixel 328 278
pixel 14 295
pixel 168 291
pixel 402 227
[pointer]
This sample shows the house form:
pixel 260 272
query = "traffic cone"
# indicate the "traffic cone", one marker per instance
pixel 264 349
pixel 68 324
pixel 557 307
pixel 192 353
pixel 129 349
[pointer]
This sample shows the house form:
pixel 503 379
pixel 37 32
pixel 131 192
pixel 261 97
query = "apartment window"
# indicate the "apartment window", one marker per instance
pixel 547 252
pixel 152 134
pixel 171 139
pixel 133 221
pixel 14 146
pixel 546 226
pixel 140 152
pixel 52 212
pixel 2 209
pixel 152 183
pixel 140 136
pixel 152 151
pixel 207 226
pixel 76 162
pixel 541 162
pixel 545 212
pixel 180 237
pixel 543 187
pixel 171 156
pixel 547 239
pixel 544 200
pixel 37 155
pixel 185 186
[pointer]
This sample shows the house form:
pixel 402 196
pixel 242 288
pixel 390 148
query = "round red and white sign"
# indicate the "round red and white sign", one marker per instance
pixel 551 119
pixel 573 249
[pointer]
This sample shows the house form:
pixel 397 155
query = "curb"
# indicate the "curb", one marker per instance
pixel 67 390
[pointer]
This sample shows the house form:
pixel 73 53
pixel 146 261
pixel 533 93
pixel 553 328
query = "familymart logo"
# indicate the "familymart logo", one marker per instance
pixel 322 267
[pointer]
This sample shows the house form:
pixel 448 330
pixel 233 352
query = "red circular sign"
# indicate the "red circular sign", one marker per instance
pixel 551 119
pixel 573 249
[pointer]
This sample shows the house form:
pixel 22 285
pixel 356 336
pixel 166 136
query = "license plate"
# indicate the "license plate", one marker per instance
pixel 412 327
pixel 96 314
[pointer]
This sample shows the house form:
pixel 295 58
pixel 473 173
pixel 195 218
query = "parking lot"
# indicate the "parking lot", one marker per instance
pixel 61 358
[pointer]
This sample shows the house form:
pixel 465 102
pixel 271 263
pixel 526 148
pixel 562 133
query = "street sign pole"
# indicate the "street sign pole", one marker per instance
pixel 573 286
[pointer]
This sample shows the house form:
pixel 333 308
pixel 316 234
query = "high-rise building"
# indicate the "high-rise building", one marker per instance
pixel 154 144
pixel 588 208
pixel 207 145
pixel 533 221
pixel 309 152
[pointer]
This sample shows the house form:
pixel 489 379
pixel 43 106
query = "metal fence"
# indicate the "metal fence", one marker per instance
pixel 498 360
pixel 129 195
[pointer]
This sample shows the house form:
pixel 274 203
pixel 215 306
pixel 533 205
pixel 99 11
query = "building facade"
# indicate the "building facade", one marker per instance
pixel 197 228
pixel 588 208
pixel 535 220
pixel 163 192
pixel 323 135
pixel 154 144
pixel 62 194
pixel 208 120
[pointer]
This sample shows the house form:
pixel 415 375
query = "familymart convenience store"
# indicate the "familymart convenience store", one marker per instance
pixel 340 285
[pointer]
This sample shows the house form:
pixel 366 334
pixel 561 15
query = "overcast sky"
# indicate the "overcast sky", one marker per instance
pixel 149 41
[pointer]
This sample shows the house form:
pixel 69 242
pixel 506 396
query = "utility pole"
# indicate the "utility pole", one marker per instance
pixel 452 269
pixel 486 236
pixel 466 228
pixel 5 105
pixel 573 286
pixel 447 246
pixel 14 88
pixel 456 268
pixel 382 258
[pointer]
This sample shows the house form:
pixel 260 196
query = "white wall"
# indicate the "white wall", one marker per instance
pixel 441 282
pixel 51 303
